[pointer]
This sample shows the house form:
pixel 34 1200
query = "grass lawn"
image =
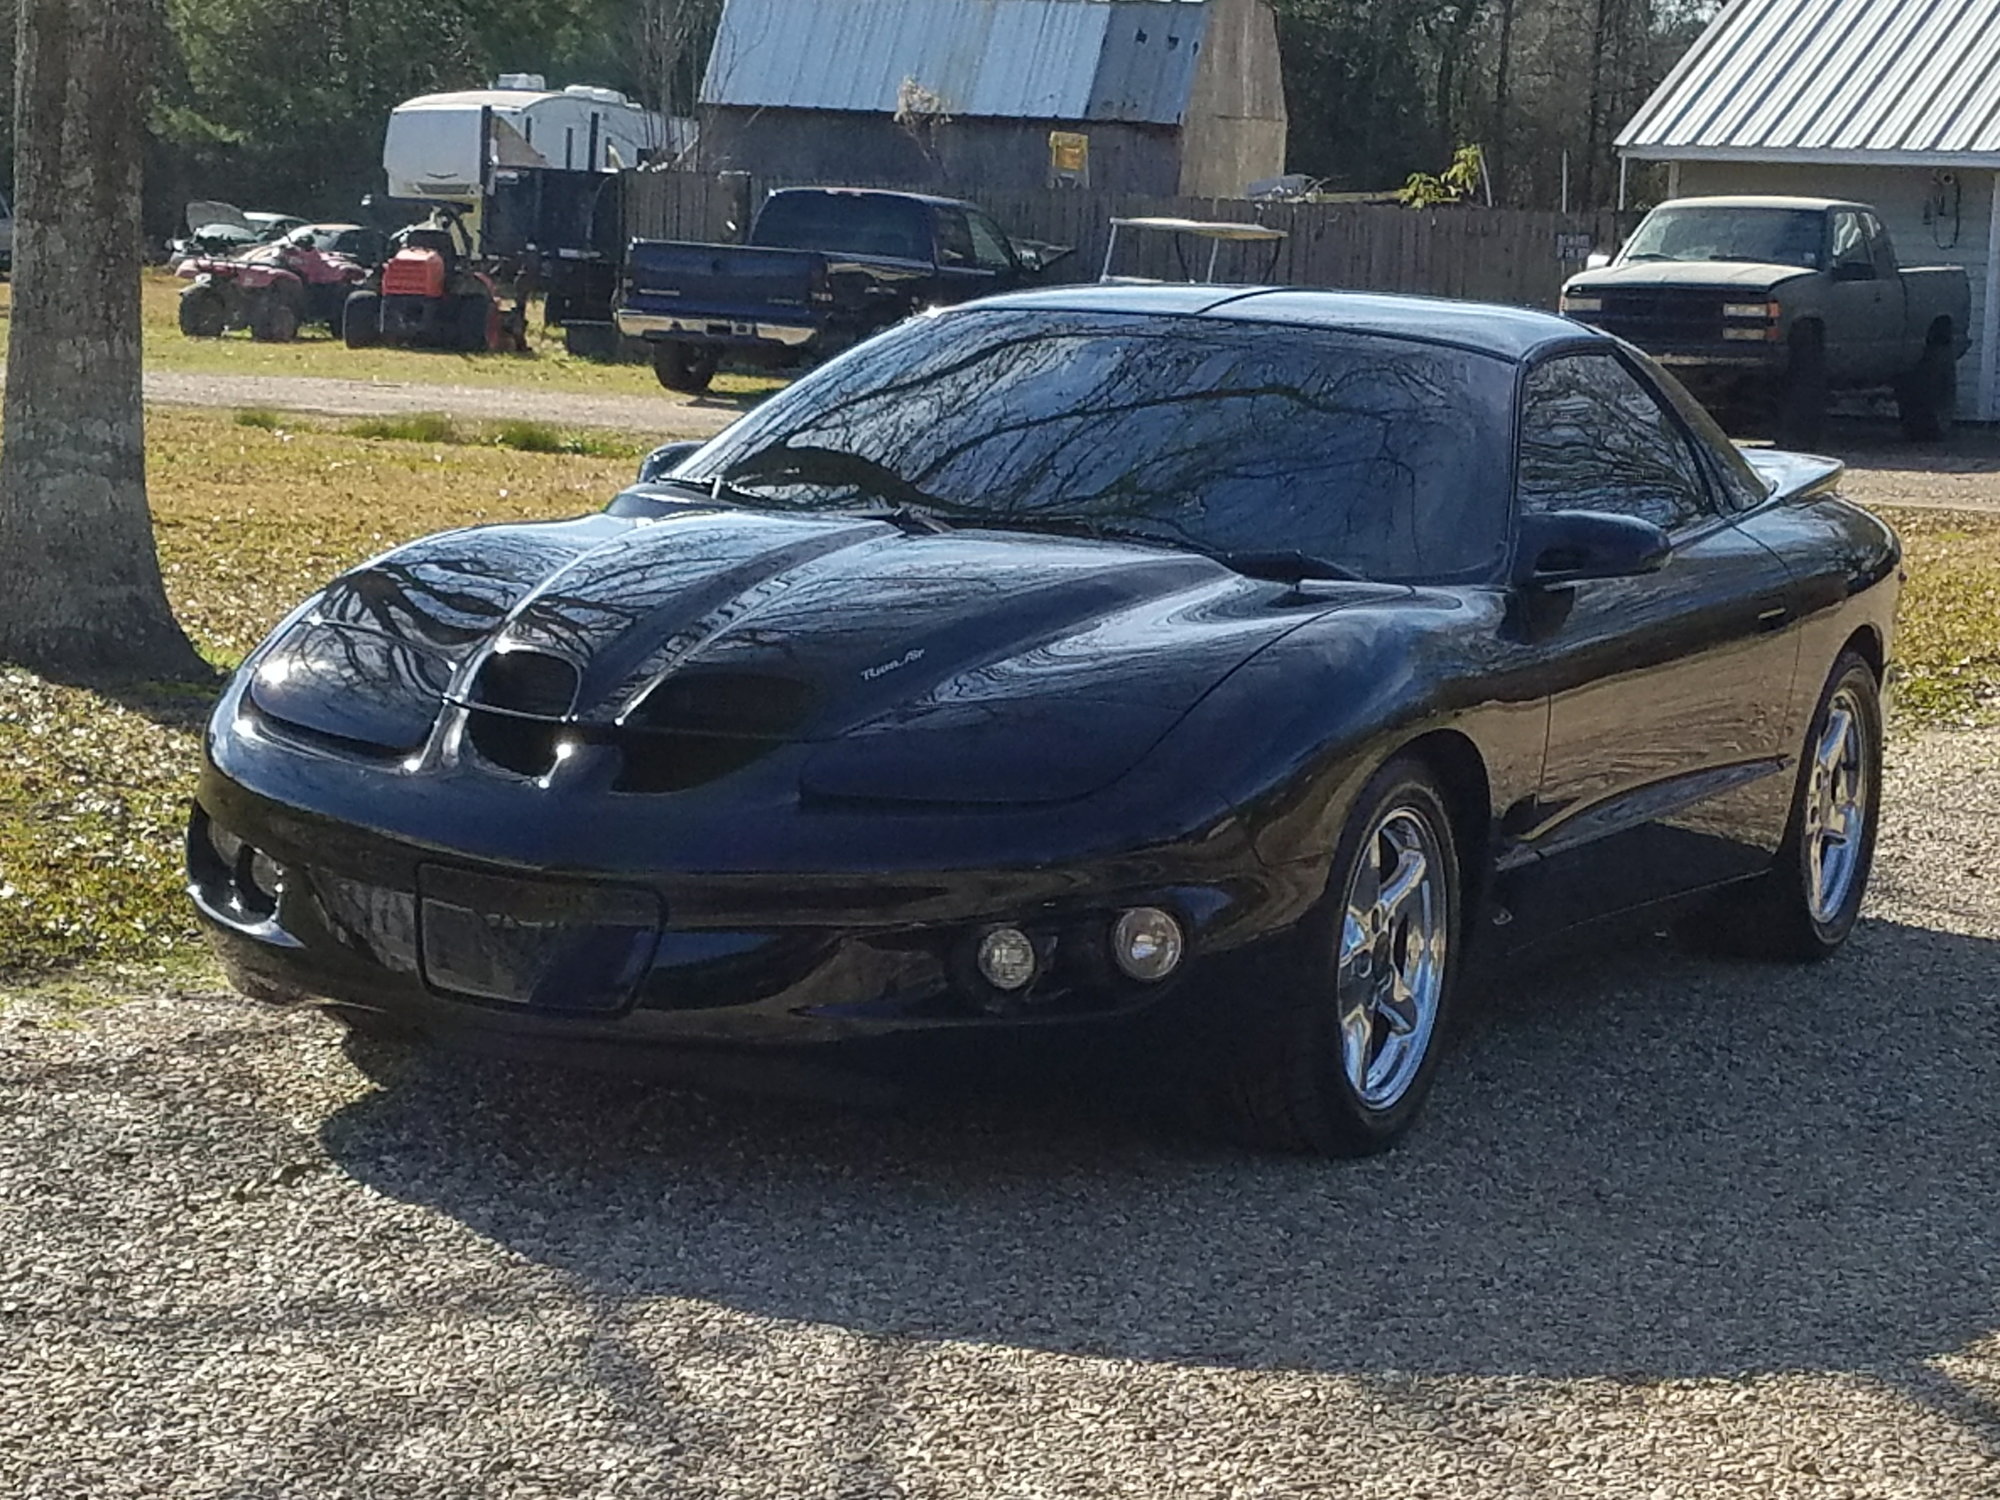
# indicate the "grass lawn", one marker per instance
pixel 545 367
pixel 254 515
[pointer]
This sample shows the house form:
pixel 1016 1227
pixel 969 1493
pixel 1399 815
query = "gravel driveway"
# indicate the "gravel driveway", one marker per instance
pixel 1672 1228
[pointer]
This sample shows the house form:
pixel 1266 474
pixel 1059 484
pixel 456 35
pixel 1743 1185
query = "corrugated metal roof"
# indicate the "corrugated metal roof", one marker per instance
pixel 1885 81
pixel 1018 59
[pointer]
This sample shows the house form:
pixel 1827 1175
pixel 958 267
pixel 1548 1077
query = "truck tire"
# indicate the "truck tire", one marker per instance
pixel 1927 397
pixel 361 320
pixel 1802 392
pixel 203 313
pixel 685 368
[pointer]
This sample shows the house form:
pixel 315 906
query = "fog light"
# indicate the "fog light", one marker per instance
pixel 1007 959
pixel 267 876
pixel 1146 944
pixel 227 846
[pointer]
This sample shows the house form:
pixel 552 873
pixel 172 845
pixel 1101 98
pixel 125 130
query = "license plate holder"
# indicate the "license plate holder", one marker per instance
pixel 539 944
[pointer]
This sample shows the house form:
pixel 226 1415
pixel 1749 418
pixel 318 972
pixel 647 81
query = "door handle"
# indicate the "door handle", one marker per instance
pixel 1771 619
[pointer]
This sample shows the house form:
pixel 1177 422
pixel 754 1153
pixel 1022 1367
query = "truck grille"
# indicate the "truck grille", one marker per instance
pixel 1661 316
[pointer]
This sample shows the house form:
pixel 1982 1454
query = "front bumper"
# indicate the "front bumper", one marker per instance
pixel 738 986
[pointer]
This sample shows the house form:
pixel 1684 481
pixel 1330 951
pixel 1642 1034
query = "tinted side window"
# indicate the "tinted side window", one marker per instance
pixel 989 245
pixel 849 223
pixel 1849 247
pixel 954 240
pixel 1594 438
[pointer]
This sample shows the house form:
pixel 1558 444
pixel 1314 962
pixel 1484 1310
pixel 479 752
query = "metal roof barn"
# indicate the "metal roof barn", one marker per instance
pixel 1833 82
pixel 1132 60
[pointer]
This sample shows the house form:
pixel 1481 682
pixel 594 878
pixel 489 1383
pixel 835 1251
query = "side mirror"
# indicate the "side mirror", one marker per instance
pixel 1568 546
pixel 1597 260
pixel 664 460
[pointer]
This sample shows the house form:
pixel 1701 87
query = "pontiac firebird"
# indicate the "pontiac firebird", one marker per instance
pixel 1208 674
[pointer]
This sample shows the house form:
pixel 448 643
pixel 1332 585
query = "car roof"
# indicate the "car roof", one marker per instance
pixel 859 192
pixel 1512 333
pixel 1763 200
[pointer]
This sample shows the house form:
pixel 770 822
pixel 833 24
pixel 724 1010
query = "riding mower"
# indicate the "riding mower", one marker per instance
pixel 432 294
pixel 273 290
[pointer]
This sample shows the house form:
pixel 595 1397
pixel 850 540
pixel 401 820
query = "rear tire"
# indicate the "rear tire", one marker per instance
pixel 470 315
pixel 685 368
pixel 1341 1063
pixel 1927 398
pixel 1802 909
pixel 203 313
pixel 275 320
pixel 1802 395
pixel 361 320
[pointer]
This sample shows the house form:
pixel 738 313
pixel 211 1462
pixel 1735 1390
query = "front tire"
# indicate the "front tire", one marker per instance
pixel 361 320
pixel 1803 908
pixel 1802 396
pixel 203 313
pixel 1342 1064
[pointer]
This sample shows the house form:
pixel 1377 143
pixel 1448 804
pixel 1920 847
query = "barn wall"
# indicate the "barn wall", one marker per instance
pixel 1236 124
pixel 964 156
pixel 1901 195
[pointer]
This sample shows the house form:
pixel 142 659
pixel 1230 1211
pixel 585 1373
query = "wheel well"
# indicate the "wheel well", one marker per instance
pixel 1940 333
pixel 1867 644
pixel 1808 331
pixel 1461 771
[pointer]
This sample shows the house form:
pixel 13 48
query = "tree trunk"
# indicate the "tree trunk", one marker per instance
pixel 80 588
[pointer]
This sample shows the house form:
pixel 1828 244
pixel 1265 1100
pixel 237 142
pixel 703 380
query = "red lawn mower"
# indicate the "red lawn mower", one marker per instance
pixel 273 290
pixel 431 294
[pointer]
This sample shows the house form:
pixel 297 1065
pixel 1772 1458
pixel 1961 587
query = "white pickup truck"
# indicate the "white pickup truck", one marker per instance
pixel 1763 306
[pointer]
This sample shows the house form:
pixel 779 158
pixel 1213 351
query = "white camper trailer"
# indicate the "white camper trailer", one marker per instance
pixel 433 147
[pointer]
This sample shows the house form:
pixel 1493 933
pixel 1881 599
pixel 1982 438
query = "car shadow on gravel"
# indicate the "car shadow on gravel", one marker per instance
pixel 1642 1166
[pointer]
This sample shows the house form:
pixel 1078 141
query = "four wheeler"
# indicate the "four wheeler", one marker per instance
pixel 273 290
pixel 431 294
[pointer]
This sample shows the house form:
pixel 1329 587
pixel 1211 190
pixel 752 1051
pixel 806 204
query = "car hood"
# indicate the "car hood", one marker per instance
pixel 1011 666
pixel 1722 275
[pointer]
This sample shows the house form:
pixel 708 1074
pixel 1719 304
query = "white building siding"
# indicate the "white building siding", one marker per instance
pixel 1900 195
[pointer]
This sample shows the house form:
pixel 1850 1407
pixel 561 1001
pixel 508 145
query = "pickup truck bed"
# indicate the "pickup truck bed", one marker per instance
pixel 873 259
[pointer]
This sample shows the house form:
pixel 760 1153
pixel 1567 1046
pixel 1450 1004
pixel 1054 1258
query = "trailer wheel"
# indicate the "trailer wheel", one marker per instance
pixel 1927 397
pixel 361 320
pixel 203 313
pixel 685 368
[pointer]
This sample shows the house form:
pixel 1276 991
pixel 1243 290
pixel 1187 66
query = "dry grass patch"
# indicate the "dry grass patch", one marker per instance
pixel 1948 636
pixel 251 517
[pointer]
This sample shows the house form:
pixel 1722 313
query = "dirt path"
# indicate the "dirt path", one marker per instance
pixel 666 416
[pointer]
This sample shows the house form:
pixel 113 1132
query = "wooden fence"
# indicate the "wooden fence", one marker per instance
pixel 1496 255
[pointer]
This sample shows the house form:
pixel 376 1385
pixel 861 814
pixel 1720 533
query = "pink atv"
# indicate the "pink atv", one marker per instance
pixel 273 290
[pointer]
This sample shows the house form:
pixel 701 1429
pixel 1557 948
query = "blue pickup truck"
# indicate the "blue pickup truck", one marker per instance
pixel 823 268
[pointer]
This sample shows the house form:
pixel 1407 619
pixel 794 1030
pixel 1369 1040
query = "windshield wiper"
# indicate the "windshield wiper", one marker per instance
pixel 1285 567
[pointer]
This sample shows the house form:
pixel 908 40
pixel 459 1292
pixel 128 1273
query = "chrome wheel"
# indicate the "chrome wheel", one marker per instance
pixel 1837 807
pixel 1393 940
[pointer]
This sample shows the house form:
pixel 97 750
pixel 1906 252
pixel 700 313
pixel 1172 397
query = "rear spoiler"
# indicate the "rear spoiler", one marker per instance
pixel 1795 476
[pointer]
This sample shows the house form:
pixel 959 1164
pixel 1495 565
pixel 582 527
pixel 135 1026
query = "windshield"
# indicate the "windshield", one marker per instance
pixel 1386 457
pixel 1767 236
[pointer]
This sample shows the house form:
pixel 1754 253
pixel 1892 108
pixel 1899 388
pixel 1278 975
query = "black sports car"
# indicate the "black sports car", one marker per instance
pixel 1206 671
